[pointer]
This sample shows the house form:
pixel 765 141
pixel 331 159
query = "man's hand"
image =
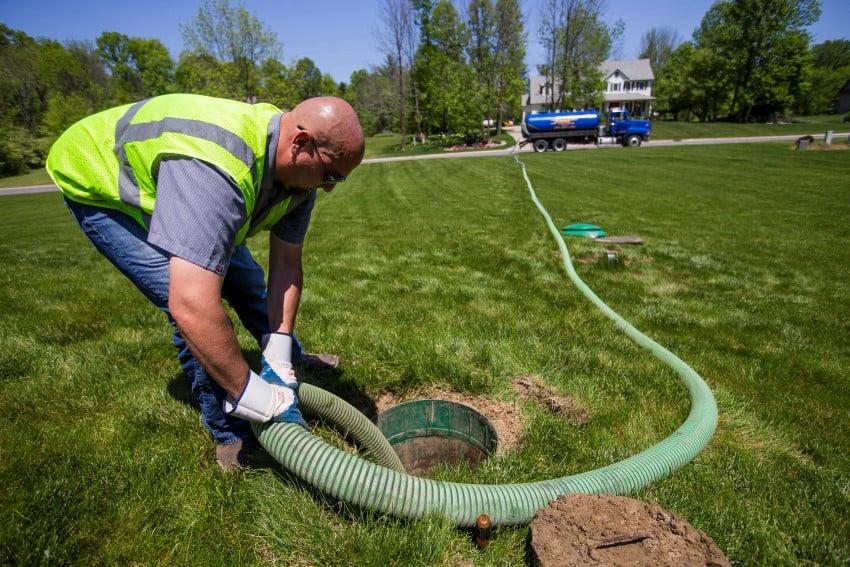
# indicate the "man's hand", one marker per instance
pixel 272 396
pixel 277 360
pixel 262 401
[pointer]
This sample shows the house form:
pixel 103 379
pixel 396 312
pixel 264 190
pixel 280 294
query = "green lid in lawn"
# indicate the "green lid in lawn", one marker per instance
pixel 583 229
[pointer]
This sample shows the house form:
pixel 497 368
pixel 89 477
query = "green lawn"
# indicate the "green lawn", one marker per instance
pixel 35 177
pixel 668 130
pixel 386 145
pixel 442 272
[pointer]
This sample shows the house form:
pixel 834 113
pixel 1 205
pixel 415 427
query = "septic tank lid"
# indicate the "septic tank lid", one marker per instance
pixel 583 229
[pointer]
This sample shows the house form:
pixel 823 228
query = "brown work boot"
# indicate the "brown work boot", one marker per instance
pixel 234 455
pixel 320 362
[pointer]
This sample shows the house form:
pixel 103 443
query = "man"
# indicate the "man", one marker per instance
pixel 169 188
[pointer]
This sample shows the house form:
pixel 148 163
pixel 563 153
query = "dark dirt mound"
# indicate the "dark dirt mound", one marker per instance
pixel 584 529
pixel 532 388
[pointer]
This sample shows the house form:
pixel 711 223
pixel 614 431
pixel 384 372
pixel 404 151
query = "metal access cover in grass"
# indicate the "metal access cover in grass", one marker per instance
pixel 429 433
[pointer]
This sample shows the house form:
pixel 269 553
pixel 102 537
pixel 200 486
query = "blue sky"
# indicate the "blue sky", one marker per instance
pixel 339 35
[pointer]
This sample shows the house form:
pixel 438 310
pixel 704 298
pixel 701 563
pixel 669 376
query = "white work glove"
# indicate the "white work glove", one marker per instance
pixel 277 356
pixel 272 395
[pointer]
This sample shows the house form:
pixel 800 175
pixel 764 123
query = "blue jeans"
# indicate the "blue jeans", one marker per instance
pixel 120 238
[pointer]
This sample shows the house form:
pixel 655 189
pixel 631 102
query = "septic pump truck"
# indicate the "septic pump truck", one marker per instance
pixel 545 130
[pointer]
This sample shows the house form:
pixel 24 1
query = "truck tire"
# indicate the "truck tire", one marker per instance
pixel 633 141
pixel 559 144
pixel 541 145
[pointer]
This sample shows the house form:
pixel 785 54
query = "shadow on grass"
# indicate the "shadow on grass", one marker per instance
pixel 331 379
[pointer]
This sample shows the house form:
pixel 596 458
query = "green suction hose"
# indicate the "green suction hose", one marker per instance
pixel 382 489
pixel 353 424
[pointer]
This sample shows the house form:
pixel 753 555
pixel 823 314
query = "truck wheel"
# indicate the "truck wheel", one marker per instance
pixel 633 141
pixel 559 144
pixel 541 145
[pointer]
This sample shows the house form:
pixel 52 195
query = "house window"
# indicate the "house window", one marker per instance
pixel 615 86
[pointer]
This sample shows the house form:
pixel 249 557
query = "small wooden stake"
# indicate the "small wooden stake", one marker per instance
pixel 622 540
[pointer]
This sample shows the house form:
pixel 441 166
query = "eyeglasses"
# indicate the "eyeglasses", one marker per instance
pixel 331 178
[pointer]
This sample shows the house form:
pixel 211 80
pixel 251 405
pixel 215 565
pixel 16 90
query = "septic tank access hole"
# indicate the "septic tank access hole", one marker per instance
pixel 429 433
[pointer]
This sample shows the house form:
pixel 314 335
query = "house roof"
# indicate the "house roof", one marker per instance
pixel 633 69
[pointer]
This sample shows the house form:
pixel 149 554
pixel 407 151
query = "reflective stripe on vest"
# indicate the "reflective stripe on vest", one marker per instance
pixel 128 187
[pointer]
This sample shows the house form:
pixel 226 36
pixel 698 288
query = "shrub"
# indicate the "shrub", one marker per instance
pixel 20 150
pixel 847 117
pixel 62 111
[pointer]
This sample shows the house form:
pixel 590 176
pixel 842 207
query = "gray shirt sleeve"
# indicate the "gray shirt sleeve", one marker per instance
pixel 292 227
pixel 198 213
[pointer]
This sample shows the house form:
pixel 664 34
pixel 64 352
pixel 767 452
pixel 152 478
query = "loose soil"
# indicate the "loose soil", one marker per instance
pixel 599 529
pixel 532 388
pixel 833 147
pixel 505 416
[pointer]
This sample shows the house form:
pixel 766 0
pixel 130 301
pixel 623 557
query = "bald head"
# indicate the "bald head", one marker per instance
pixel 335 127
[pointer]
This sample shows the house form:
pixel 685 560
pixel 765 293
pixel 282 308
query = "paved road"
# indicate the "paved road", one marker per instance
pixel 571 147
pixel 506 151
pixel 28 190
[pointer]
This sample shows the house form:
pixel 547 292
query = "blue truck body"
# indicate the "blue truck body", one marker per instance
pixel 552 130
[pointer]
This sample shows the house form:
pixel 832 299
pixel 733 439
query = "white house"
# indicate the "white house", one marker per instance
pixel 628 84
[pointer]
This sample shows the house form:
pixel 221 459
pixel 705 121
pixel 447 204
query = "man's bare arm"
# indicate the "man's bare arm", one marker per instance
pixel 285 282
pixel 194 299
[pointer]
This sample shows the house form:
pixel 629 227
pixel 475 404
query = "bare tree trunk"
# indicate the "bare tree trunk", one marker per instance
pixel 397 20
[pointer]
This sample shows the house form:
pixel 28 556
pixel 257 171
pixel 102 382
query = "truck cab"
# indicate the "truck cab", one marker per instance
pixel 628 132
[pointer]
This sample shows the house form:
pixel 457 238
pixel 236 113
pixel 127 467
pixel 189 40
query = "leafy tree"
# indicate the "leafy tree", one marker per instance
pixel 64 110
pixel 830 70
pixel 442 75
pixel 114 50
pixel 762 48
pixel 481 23
pixel 658 45
pixel 201 73
pixel 139 67
pixel 276 86
pixel 692 82
pixel 306 78
pixel 234 36
pixel 576 40
pixel 372 95
pixel 23 92
pixel 154 66
pixel 833 54
pixel 509 65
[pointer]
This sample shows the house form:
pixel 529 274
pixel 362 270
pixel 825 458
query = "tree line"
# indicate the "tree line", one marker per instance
pixel 443 72
pixel 748 59
pixel 446 72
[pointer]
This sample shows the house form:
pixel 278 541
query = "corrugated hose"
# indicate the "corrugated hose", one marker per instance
pixel 382 486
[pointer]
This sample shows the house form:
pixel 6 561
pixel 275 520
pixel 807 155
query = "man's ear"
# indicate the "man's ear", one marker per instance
pixel 301 138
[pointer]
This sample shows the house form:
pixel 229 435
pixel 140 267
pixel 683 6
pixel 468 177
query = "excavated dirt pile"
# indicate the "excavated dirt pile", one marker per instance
pixel 585 529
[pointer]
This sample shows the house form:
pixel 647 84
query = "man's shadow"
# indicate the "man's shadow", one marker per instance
pixel 330 379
